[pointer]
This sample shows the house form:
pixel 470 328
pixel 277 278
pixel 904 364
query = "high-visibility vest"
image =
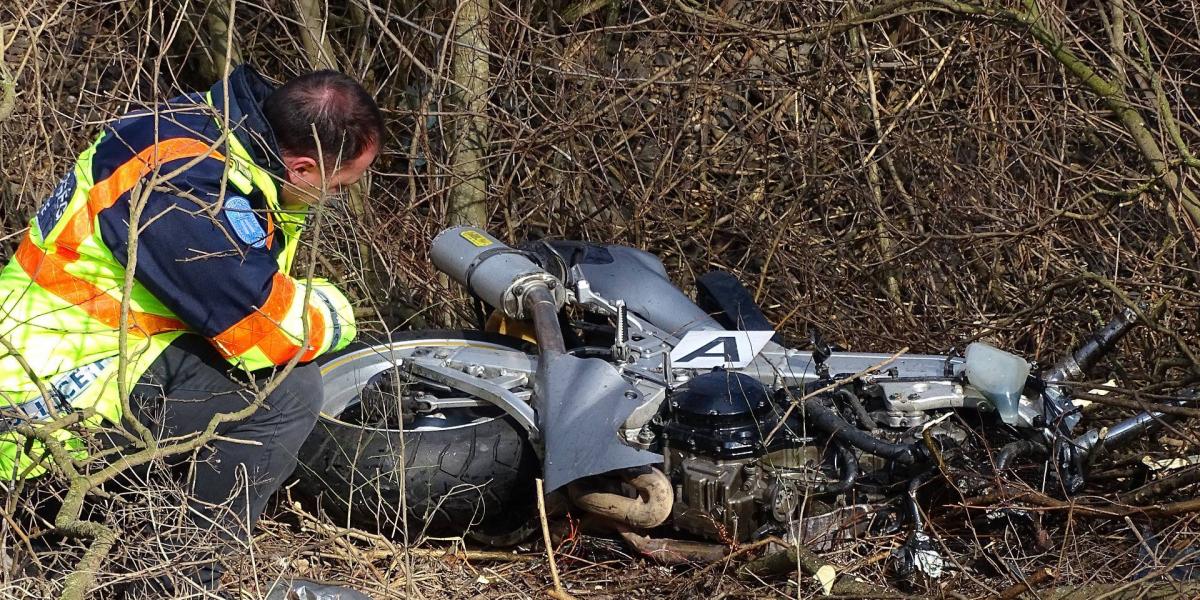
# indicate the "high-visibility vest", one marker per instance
pixel 61 295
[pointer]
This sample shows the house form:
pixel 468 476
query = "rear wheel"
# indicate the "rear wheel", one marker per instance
pixel 399 454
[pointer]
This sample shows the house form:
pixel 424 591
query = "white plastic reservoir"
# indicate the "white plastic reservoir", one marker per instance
pixel 1000 376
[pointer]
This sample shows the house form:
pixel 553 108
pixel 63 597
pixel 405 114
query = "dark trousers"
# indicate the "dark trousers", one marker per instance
pixel 230 482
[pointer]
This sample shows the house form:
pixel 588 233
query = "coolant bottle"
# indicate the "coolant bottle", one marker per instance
pixel 999 376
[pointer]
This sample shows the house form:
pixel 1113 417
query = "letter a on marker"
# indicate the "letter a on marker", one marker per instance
pixel 728 353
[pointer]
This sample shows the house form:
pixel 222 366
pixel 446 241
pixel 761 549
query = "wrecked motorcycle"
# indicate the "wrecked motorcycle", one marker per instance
pixel 654 411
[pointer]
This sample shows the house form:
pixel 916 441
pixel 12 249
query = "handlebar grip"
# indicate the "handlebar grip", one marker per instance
pixel 1100 342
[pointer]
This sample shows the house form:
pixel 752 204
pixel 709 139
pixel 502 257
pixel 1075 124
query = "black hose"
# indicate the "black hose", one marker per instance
pixel 824 418
pixel 859 410
pixel 914 507
pixel 1015 449
pixel 848 471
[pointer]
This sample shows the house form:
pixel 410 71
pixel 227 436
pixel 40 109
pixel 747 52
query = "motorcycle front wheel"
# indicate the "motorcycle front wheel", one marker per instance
pixel 457 471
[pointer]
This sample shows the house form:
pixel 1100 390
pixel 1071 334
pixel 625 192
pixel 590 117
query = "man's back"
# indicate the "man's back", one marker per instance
pixel 211 251
pixel 170 243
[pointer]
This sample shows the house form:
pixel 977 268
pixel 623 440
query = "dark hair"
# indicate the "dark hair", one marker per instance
pixel 346 118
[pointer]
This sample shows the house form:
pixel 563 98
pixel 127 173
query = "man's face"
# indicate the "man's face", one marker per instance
pixel 304 186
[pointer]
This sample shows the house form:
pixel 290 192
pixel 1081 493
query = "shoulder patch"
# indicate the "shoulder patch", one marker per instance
pixel 245 223
pixel 54 206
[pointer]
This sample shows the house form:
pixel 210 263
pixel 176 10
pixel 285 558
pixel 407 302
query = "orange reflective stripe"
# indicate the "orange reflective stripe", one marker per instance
pixel 270 229
pixel 251 330
pixel 279 347
pixel 49 271
pixel 316 333
pixel 105 193
pixel 262 328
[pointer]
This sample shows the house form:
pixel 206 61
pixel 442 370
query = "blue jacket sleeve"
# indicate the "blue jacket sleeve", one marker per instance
pixel 207 255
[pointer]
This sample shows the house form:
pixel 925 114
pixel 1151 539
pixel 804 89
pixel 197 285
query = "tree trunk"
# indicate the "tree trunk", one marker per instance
pixel 317 48
pixel 8 89
pixel 215 50
pixel 468 171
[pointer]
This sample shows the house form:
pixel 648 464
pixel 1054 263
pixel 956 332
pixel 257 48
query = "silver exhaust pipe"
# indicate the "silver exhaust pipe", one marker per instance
pixel 498 274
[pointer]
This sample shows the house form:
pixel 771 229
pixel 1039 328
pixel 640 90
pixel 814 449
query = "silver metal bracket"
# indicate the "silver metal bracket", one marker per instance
pixel 509 402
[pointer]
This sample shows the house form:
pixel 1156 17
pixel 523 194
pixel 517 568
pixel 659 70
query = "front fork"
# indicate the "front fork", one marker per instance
pixel 1072 454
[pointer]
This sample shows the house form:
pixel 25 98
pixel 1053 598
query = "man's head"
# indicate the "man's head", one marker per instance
pixel 348 131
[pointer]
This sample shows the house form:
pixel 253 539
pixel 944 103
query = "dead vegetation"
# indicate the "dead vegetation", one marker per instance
pixel 894 173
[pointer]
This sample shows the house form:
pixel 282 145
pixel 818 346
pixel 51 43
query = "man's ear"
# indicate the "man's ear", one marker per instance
pixel 302 169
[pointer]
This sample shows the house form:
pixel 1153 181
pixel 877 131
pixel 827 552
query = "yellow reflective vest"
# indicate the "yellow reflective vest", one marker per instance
pixel 212 254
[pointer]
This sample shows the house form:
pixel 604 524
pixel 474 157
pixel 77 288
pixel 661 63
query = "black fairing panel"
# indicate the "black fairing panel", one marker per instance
pixel 723 296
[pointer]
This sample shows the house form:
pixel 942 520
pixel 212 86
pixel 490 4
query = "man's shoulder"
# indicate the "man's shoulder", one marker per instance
pixel 186 117
pixel 129 137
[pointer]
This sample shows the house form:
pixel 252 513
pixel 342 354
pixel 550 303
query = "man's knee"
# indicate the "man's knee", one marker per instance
pixel 300 394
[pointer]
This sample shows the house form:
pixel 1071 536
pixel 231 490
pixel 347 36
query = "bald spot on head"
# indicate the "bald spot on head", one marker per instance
pixel 345 117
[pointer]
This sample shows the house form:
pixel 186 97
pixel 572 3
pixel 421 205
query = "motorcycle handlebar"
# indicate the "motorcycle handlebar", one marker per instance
pixel 1073 366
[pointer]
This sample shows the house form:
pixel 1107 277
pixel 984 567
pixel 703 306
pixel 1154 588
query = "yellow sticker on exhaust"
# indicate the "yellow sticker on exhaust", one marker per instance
pixel 476 238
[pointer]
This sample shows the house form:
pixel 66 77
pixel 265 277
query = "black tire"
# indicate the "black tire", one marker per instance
pixel 475 478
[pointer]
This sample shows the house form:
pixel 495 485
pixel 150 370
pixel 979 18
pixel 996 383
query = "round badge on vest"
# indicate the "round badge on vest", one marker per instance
pixel 245 223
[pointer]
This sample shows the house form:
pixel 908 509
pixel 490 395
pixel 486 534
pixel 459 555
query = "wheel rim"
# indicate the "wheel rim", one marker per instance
pixel 344 378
